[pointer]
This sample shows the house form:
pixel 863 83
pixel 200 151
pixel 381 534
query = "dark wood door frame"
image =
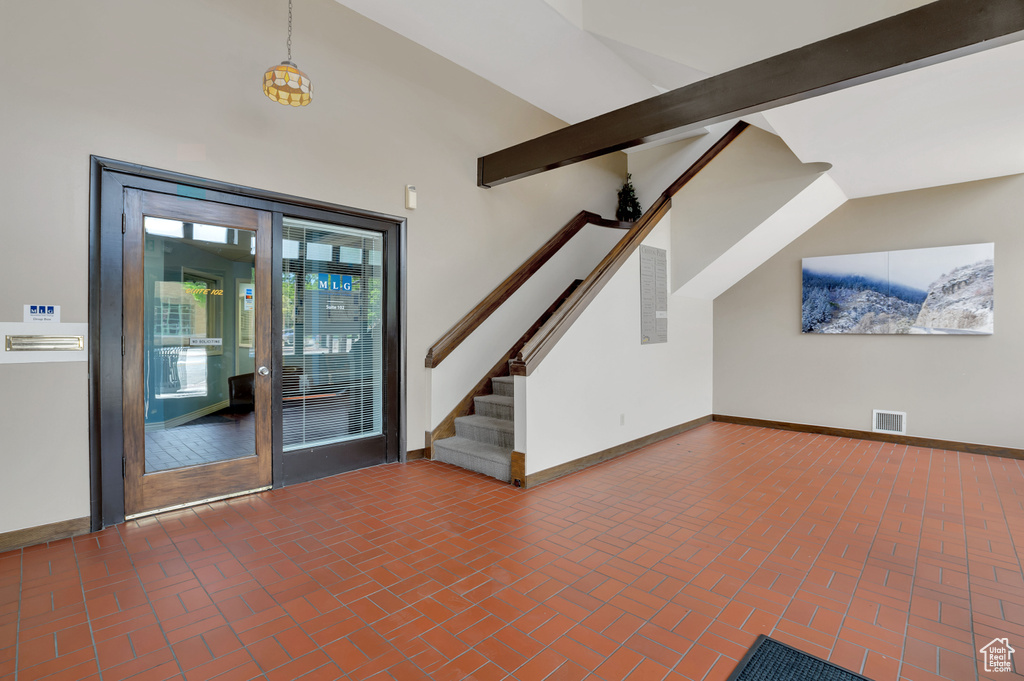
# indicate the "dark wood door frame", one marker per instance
pixel 145 490
pixel 108 179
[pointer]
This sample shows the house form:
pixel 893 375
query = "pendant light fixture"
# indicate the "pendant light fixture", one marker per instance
pixel 284 83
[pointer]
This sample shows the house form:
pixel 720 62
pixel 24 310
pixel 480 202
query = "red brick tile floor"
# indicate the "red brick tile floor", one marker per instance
pixel 893 561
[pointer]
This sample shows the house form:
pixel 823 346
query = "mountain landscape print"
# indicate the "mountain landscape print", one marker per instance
pixel 947 290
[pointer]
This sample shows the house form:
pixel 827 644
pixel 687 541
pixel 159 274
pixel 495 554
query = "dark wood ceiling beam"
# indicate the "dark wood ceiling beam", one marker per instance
pixel 933 33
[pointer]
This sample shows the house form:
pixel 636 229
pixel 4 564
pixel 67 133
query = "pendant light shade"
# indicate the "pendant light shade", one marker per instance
pixel 285 83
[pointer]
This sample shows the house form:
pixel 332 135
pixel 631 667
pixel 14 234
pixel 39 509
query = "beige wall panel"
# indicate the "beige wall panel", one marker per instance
pixel 44 448
pixel 176 85
pixel 599 387
pixel 960 388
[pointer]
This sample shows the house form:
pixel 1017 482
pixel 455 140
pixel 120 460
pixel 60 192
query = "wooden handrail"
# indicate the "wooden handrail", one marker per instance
pixel 550 333
pixel 465 326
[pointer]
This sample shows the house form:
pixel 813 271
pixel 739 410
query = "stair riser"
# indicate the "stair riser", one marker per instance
pixel 498 411
pixel 470 462
pixel 491 436
pixel 502 388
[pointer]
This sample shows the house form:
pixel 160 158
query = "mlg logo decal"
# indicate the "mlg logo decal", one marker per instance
pixel 332 283
pixel 998 655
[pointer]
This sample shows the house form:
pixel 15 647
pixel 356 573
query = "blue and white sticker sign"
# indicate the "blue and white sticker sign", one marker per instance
pixel 334 283
pixel 42 313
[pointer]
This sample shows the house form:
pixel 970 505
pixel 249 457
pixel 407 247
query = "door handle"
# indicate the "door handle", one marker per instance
pixel 263 371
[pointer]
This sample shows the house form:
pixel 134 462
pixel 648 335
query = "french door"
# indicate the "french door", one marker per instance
pixel 239 339
pixel 198 355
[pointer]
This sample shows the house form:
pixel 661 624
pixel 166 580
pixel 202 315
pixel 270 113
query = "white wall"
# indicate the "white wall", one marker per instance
pixel 753 199
pixel 747 182
pixel 598 375
pixel 176 85
pixel 467 364
pixel 778 230
pixel 655 168
pixel 958 388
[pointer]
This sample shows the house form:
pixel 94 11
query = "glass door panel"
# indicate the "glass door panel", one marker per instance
pixel 332 320
pixel 197 360
pixel 198 350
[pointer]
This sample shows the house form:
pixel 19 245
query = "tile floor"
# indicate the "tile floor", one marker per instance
pixel 205 440
pixel 896 562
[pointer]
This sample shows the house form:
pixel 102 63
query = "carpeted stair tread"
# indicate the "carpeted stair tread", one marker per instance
pixel 476 456
pixel 497 399
pixel 484 441
pixel 495 406
pixel 504 425
pixel 481 449
pixel 503 385
pixel 486 429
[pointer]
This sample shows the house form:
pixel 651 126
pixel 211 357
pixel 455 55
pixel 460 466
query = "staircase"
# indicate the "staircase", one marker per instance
pixel 722 245
pixel 484 441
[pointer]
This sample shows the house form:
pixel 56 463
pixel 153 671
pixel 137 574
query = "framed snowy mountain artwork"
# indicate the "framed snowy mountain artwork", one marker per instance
pixel 946 290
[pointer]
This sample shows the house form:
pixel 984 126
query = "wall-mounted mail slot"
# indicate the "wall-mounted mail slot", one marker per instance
pixel 44 343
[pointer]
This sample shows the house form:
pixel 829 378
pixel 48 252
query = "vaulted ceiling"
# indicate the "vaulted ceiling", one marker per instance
pixel 952 122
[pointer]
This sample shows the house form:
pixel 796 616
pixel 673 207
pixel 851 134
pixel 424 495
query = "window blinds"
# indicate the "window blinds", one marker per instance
pixel 331 334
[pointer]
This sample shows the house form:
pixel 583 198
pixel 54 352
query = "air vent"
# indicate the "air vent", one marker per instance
pixel 893 422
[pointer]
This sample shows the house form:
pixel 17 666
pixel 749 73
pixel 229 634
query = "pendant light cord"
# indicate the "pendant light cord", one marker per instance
pixel 289 30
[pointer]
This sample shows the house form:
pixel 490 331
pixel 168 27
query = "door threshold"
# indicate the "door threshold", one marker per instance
pixel 199 502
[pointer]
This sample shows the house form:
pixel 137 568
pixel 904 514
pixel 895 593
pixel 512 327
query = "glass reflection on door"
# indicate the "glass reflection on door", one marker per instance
pixel 199 343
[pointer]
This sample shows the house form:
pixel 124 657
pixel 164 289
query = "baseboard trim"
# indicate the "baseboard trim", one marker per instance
pixel 926 442
pixel 575 465
pixel 18 539
pixel 415 454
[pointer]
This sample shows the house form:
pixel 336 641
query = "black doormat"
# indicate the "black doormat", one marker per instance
pixel 769 660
